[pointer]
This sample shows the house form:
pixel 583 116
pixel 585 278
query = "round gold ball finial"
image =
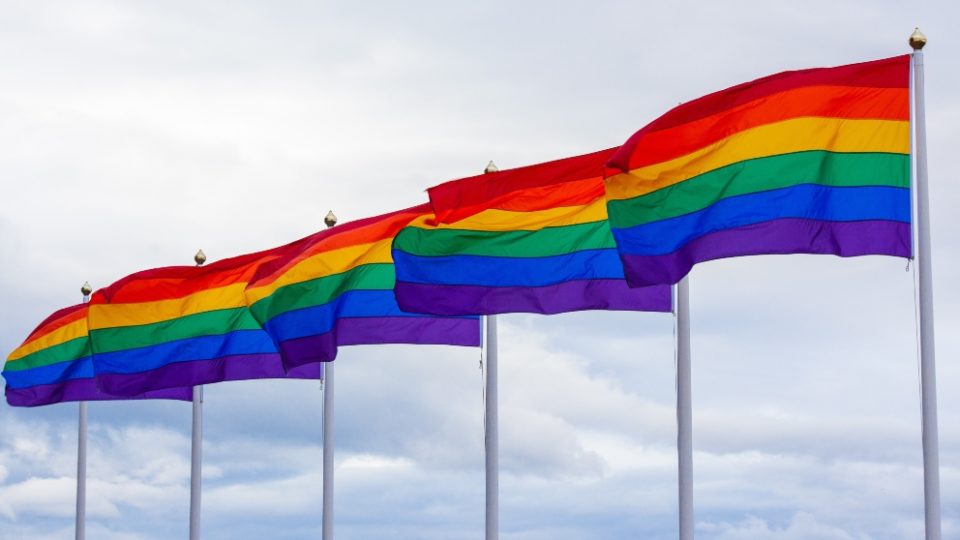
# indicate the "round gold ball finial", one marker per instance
pixel 917 39
pixel 330 219
pixel 491 168
pixel 200 257
pixel 86 289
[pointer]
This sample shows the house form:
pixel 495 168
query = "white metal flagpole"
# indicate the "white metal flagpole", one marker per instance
pixel 491 424
pixel 492 438
pixel 81 517
pixel 684 413
pixel 196 456
pixel 328 451
pixel 928 374
pixel 327 527
pixel 196 444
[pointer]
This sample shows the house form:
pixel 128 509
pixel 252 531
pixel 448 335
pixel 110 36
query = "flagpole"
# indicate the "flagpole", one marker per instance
pixel 327 451
pixel 491 439
pixel 928 375
pixel 684 412
pixel 196 444
pixel 81 518
pixel 327 527
pixel 196 448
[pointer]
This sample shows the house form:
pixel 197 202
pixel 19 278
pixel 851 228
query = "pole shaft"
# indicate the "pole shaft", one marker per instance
pixel 81 525
pixel 928 375
pixel 196 454
pixel 492 438
pixel 327 533
pixel 684 413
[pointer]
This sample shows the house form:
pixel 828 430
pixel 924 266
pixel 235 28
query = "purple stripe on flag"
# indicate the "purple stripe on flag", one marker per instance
pixel 607 294
pixel 782 236
pixel 380 330
pixel 412 330
pixel 81 390
pixel 191 373
pixel 308 350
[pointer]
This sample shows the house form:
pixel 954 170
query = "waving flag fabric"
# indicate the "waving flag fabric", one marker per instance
pixel 336 288
pixel 533 239
pixel 183 326
pixel 54 365
pixel 814 161
pixel 272 314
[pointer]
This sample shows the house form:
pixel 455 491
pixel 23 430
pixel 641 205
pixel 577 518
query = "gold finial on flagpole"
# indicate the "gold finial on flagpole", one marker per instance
pixel 200 257
pixel 917 39
pixel 86 289
pixel 330 219
pixel 491 168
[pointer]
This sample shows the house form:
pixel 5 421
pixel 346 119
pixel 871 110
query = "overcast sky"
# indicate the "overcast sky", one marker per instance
pixel 134 133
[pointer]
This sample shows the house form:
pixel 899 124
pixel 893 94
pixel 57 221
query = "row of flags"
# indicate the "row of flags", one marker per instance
pixel 279 313
pixel 814 161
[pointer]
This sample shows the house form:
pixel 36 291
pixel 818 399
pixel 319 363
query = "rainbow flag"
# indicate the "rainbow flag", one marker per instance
pixel 183 326
pixel 54 365
pixel 813 161
pixel 336 288
pixel 533 239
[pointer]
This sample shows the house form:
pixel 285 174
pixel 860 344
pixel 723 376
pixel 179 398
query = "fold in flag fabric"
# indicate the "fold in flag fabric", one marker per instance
pixel 813 161
pixel 533 239
pixel 183 326
pixel 336 288
pixel 54 365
